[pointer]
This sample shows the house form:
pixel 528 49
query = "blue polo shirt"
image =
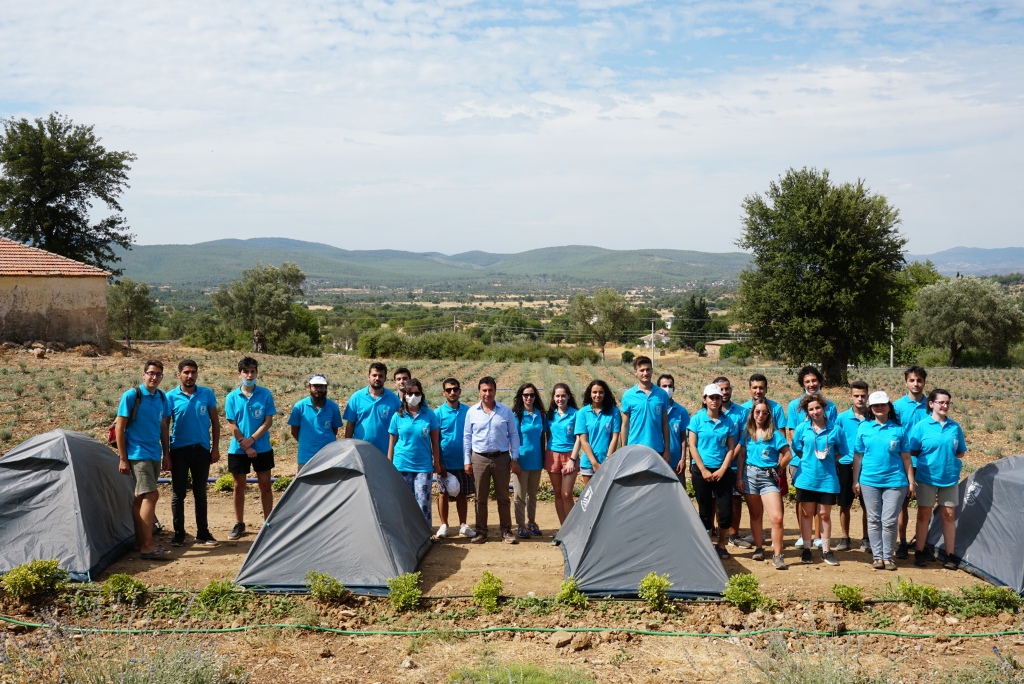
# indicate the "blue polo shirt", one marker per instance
pixel 849 422
pixel 678 422
pixel 191 416
pixel 882 445
pixel 561 429
pixel 909 411
pixel 599 428
pixel 712 438
pixel 797 416
pixel 372 416
pixel 142 435
pixel 644 412
pixel 532 427
pixel 778 414
pixel 819 453
pixel 413 451
pixel 764 453
pixel 317 427
pixel 939 445
pixel 248 413
pixel 451 425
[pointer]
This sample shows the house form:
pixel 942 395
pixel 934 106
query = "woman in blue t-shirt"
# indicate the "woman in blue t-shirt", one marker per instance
pixel 819 444
pixel 528 408
pixel 762 454
pixel 597 426
pixel 938 442
pixel 883 475
pixel 414 446
pixel 563 448
pixel 712 440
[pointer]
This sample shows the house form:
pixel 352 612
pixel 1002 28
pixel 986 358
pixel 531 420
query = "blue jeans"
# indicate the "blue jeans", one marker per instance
pixel 883 508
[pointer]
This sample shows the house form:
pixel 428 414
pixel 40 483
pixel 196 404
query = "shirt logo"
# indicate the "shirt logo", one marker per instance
pixel 384 411
pixel 202 409
pixel 657 411
pixel 608 428
pixel 425 431
pixel 256 410
pixel 327 423
pixel 675 428
pixel 568 430
pixel 894 446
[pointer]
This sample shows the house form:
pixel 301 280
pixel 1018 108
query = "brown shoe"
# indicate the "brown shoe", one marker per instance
pixel 478 539
pixel 508 537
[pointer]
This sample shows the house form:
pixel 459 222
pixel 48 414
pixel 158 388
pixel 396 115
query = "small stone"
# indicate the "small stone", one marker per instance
pixel 582 641
pixel 325 652
pixel 941 638
pixel 409 664
pixel 950 620
pixel 1005 618
pixel 560 639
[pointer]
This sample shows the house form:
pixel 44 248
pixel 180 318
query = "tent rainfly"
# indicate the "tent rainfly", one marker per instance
pixel 616 533
pixel 348 514
pixel 62 497
pixel 989 523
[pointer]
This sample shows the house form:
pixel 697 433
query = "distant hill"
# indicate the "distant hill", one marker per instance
pixel 976 261
pixel 208 264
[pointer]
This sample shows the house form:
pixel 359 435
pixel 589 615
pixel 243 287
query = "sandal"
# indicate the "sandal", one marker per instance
pixel 722 553
pixel 159 553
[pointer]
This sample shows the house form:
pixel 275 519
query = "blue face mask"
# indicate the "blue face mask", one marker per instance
pixel 249 383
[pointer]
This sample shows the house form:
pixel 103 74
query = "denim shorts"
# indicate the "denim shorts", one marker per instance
pixel 759 481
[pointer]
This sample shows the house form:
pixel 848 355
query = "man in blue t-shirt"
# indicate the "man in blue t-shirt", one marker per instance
pixel 314 421
pixel 452 418
pixel 849 422
pixel 249 410
pixel 910 408
pixel 143 444
pixel 645 411
pixel 368 411
pixel 195 446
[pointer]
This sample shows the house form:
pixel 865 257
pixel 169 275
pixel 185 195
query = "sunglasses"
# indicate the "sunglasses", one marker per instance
pixel 529 395
pixel 452 389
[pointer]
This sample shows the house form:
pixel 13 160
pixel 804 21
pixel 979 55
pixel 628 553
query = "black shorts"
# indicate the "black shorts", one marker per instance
pixel 809 496
pixel 845 471
pixel 240 464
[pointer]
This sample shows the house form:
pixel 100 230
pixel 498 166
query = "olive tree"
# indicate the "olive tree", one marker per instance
pixel 130 310
pixel 825 280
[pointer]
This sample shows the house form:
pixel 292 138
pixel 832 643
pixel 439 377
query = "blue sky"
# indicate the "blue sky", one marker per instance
pixel 503 126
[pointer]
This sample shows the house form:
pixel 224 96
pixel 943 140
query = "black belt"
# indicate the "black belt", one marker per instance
pixel 490 454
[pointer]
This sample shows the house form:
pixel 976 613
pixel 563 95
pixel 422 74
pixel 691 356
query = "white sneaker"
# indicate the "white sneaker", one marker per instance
pixel 799 543
pixel 466 531
pixel 749 539
pixel 817 543
pixel 442 531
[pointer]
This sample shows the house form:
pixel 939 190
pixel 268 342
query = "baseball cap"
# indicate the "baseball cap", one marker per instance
pixel 449 485
pixel 878 397
pixel 317 379
pixel 712 389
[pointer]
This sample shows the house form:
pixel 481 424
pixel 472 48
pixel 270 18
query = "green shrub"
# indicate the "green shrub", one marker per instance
pixel 34 578
pixel 122 588
pixel 323 587
pixel 985 600
pixel 221 597
pixel 534 605
pixel 519 673
pixel 404 591
pixel 628 356
pixel 569 595
pixel 744 592
pixel 281 483
pixel 852 598
pixel 487 591
pixel 224 483
pixel 653 590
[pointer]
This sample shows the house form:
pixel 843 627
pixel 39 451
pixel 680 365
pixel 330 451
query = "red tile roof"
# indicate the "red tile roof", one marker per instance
pixel 17 259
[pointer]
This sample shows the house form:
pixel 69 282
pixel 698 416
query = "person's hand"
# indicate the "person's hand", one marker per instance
pixel 440 470
pixel 165 463
pixel 468 469
pixel 681 467
pixel 856 489
pixel 912 490
pixel 515 467
pixel 706 474
pixel 124 467
pixel 214 455
pixel 739 485
pixel 246 442
pixel 570 467
pixel 250 452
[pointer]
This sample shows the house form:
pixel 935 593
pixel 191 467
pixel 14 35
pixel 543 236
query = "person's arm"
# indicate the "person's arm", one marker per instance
pixel 857 458
pixel 731 445
pixel 350 429
pixel 165 443
pixel 741 464
pixel 625 428
pixel 667 454
pixel 908 465
pixel 214 434
pixel 512 430
pixel 435 445
pixel 120 425
pixel 295 432
pixel 467 443
pixel 697 460
pixel 392 439
pixel 574 458
pixel 785 456
pixel 583 444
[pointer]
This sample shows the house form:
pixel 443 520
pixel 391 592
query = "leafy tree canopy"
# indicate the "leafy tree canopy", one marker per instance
pixel 825 279
pixel 53 172
pixel 260 302
pixel 965 313
pixel 130 310
pixel 604 317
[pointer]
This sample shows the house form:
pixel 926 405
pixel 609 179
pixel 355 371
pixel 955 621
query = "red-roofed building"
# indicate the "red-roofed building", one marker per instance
pixel 44 296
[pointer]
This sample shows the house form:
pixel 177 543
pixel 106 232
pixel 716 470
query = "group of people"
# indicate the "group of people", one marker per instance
pixel 881 451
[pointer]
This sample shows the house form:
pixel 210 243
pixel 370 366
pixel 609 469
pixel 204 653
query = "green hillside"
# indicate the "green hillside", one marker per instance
pixel 208 264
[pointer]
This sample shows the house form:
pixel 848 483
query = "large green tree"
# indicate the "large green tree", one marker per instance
pixel 130 310
pixel 603 317
pixel 825 278
pixel 260 303
pixel 965 313
pixel 53 172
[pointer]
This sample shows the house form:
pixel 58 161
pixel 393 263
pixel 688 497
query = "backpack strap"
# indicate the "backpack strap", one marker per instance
pixel 135 407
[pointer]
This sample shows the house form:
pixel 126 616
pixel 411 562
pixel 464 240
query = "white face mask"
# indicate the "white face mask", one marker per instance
pixel 413 400
pixel 669 391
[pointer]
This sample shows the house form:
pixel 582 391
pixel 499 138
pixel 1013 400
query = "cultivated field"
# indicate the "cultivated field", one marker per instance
pixel 69 391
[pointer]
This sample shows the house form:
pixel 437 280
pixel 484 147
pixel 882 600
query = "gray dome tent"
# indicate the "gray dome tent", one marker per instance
pixel 62 497
pixel 349 514
pixel 989 523
pixel 634 518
